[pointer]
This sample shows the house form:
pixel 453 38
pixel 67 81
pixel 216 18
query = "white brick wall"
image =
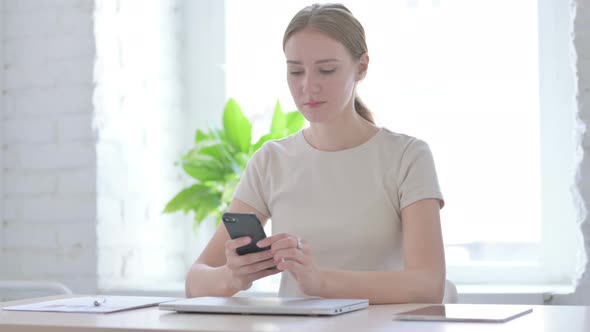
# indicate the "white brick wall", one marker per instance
pixel 581 44
pixel 141 124
pixel 54 209
pixel 48 228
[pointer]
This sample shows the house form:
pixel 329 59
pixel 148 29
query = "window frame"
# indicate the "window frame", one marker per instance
pixel 560 232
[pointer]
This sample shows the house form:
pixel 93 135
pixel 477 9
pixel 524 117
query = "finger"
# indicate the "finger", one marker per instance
pixel 256 267
pixel 236 243
pixel 305 247
pixel 235 261
pixel 231 256
pixel 272 239
pixel 256 257
pixel 264 273
pixel 285 243
pixel 291 254
pixel 291 243
pixel 291 266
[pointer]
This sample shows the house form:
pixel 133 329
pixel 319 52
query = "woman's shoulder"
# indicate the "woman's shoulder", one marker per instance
pixel 280 146
pixel 401 142
pixel 285 142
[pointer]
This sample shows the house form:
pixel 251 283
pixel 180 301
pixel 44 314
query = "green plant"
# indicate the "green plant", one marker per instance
pixel 219 158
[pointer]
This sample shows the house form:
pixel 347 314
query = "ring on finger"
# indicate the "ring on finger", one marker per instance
pixel 299 244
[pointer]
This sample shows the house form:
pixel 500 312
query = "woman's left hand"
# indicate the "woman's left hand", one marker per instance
pixel 294 255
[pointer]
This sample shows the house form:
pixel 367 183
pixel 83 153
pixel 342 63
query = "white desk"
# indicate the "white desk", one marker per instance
pixel 375 318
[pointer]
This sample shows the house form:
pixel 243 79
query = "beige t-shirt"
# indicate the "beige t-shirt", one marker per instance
pixel 347 204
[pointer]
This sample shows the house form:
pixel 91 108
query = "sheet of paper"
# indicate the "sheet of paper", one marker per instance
pixel 108 303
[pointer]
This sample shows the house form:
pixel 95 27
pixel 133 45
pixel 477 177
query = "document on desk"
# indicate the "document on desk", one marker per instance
pixel 93 304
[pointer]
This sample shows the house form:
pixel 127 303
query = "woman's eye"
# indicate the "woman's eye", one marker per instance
pixel 295 73
pixel 326 72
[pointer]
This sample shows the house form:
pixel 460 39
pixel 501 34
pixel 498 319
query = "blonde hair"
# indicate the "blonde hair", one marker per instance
pixel 336 21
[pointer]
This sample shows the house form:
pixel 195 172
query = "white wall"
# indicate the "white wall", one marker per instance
pixel 557 116
pixel 59 224
pixel 49 152
pixel 1 119
pixel 204 59
pixel 141 120
pixel 581 59
pixel 204 87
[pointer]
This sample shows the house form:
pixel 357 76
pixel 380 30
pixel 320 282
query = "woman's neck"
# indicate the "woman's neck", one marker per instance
pixel 343 133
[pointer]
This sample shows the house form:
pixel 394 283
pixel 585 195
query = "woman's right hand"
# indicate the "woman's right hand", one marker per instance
pixel 247 268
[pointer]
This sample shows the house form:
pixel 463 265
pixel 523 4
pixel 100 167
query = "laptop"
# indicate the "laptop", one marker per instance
pixel 483 313
pixel 266 305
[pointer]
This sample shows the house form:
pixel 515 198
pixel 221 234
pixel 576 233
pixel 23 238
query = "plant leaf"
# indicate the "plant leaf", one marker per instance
pixel 219 134
pixel 211 147
pixel 206 205
pixel 219 157
pixel 240 159
pixel 186 199
pixel 201 136
pixel 196 223
pixel 279 121
pixel 295 122
pixel 237 128
pixel 204 167
pixel 263 140
pixel 229 188
pixel 218 213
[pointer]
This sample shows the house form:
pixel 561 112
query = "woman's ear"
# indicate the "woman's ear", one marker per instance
pixel 362 67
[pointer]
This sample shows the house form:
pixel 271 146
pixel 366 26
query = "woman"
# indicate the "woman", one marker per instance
pixel 355 207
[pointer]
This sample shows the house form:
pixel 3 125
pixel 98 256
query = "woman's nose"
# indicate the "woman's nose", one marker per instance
pixel 310 85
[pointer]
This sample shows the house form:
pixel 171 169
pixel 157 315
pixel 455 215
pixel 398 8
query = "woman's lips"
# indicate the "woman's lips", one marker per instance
pixel 314 104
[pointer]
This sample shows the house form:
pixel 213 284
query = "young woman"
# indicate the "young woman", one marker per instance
pixel 355 207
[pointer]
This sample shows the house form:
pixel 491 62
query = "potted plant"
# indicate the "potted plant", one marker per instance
pixel 219 158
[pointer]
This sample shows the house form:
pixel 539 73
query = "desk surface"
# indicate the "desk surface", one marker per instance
pixel 375 318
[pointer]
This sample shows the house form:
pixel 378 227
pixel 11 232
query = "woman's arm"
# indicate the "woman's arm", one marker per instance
pixel 209 275
pixel 423 278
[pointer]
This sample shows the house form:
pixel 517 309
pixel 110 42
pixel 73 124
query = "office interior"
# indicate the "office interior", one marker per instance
pixel 100 99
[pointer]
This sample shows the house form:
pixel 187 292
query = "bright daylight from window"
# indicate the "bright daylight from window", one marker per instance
pixel 461 75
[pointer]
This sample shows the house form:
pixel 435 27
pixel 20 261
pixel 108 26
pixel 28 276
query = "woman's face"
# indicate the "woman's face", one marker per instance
pixel 321 75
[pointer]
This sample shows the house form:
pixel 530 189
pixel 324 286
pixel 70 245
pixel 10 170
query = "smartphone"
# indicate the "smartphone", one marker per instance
pixel 245 224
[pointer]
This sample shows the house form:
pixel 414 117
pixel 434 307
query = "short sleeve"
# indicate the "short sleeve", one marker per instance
pixel 417 178
pixel 251 189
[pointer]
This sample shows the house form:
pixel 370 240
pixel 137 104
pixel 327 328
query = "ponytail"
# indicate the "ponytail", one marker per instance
pixel 362 110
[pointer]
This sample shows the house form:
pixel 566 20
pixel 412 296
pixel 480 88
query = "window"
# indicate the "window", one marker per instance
pixel 471 78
